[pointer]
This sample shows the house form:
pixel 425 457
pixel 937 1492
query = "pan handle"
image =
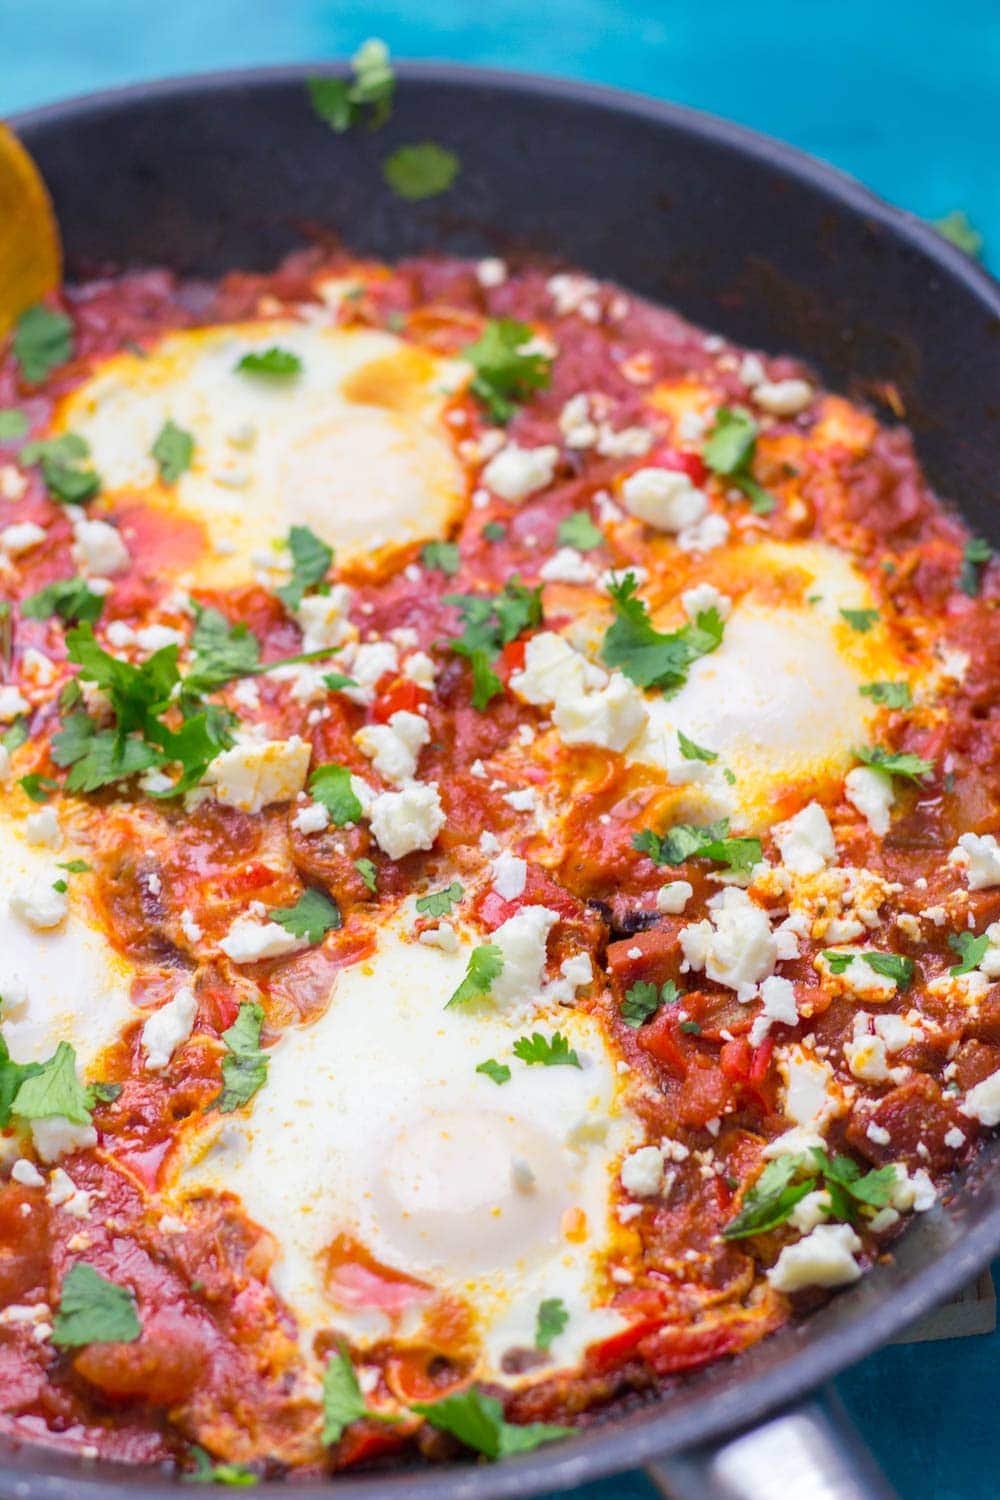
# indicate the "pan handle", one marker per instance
pixel 810 1451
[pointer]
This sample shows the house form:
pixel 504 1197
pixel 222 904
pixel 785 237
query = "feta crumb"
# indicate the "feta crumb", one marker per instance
pixel 811 1210
pixel 705 596
pixel 12 703
pixel 26 1173
pixel 663 498
pixel 778 1002
pixel 249 941
pixel 982 1102
pixel 254 774
pixel 168 1027
pixel 877 1134
pixel 610 716
pixel 407 820
pixel 394 747
pixel 509 875
pixel 420 669
pixel 980 858
pixel 20 538
pixel 98 548
pixel 522 941
pixel 735 946
pixel 515 473
pixel 783 398
pixel 42 828
pixel 705 535
pixel 323 619
pixel 521 799
pixel 189 927
pixel 40 905
pixel 442 936
pixel 674 896
pixel 824 1257
pixel 870 791
pixel 568 565
pixel 56 1136
pixel 491 271
pixel 642 1172
pixel 312 818
pixel 806 841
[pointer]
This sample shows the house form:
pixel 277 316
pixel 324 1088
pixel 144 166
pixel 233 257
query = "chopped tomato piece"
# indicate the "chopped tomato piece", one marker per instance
pixel 402 695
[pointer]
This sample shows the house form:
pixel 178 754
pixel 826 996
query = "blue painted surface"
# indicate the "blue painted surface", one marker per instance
pixel 903 95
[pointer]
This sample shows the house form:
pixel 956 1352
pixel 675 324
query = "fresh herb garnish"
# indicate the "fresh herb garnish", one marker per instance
pixel 691 751
pixel 860 620
pixel 343 1402
pixel 505 373
pixel 275 363
pixel 729 451
pixel 648 657
pixel 62 461
pixel 579 531
pixel 687 841
pixel 366 869
pixel 551 1052
pixel 485 965
pixel 894 763
pixel 891 694
pixel 691 1028
pixel 173 451
pixel 971 951
pixel 441 557
pixel 975 555
pixel 440 903
pixel 13 424
pixel 421 171
pixel 785 1181
pixel 39 788
pixel 244 1068
pixel 491 621
pixel 955 226
pixel 486 685
pixel 311 561
pixel 550 1321
pixel 499 1072
pixel 890 965
pixel 494 531
pixel 312 916
pixel 340 103
pixel 643 999
pixel 71 599
pixel 205 1471
pixel 477 1421
pixel 331 785
pixel 93 1310
pixel 43 340
pixel 52 1088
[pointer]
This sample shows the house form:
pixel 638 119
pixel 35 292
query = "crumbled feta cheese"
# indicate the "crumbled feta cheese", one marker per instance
pixel 571 293
pixel 809 1097
pixel 866 1058
pixel 705 535
pixel 98 548
pixel 553 671
pixel 407 820
pixel 568 565
pixel 168 1027
pixel 155 637
pixel 783 398
pixel 63 1193
pixel 312 818
pixel 119 634
pixel 42 828
pixel 912 1191
pixel 706 596
pixel 824 1257
pixel 954 1138
pixel 735 946
pixel 806 841
pixel 420 669
pixel 40 905
pixel 56 1136
pixel 11 704
pixel 980 858
pixel 521 799
pixel 778 1002
pixel 870 791
pixel 12 482
pixel 574 972
pixel 664 498
pixel 811 1210
pixel 189 927
pixel 442 936
pixel 610 716
pixel 627 442
pixel 522 941
pixel 394 748
pixel 323 619
pixel 515 473
pixel 491 271
pixel 674 896
pixel 642 1172
pixel 509 875
pixel 249 940
pixel 877 1134
pixel 794 1142
pixel 982 1102
pixel 252 775
pixel 26 1173
pixel 575 423
pixel 20 538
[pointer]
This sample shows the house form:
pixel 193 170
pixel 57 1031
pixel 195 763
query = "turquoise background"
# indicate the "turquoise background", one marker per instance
pixel 902 95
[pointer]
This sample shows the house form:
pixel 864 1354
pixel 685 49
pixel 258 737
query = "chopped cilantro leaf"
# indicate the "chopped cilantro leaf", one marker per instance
pixel 220 652
pixel 687 841
pixel 311 561
pixel 891 694
pixel 12 1075
pixel 236 1476
pixel 955 226
pixel 894 763
pixel 691 1028
pixel 505 374
pixel 74 866
pixel 275 363
pixel 477 1421
pixel 971 951
pixel 643 999
pixel 891 966
pixel 13 424
pixel 579 531
pixel 493 620
pixel 485 965
pixel 17 735
pixel 70 598
pixel 39 788
pixel 976 554
pixel 729 451
pixel 648 657
pixel 343 1402
pixel 331 785
pixel 53 1089
pixel 551 1320
pixel 93 1310
pixel 494 531
pixel 366 869
pixel 785 1181
pixel 173 451
pixel 440 903
pixel 244 1068
pixel 62 462
pixel 838 962
pixel 486 685
pixel 499 1072
pixel 860 620
pixel 441 557
pixel 336 680
pixel 341 104
pixel 421 171
pixel 550 1052
pixel 43 340
pixel 691 751
pixel 312 916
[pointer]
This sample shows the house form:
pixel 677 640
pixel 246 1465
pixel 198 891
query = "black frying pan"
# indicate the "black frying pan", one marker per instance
pixel 741 234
